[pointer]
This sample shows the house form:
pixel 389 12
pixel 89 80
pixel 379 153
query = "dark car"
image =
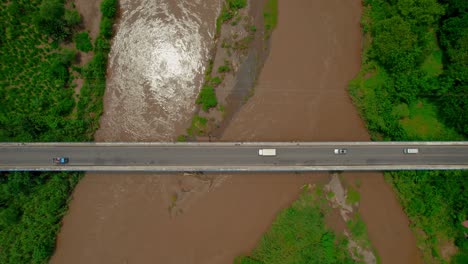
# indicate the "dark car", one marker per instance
pixel 60 160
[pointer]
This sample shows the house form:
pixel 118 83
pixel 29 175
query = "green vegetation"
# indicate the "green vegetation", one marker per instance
pixel 244 43
pixel 358 229
pixel 109 8
pixel 32 207
pixel 208 71
pixel 38 104
pixel 72 18
pixel 352 196
pixel 410 89
pixel 299 235
pixel 215 81
pixel 224 68
pixel 50 18
pixel 270 16
pixel 198 126
pixel 221 108
pixel 435 201
pixel 422 122
pixel 182 138
pixel 453 36
pixel 230 9
pixel 83 42
pixel 207 98
pixel 236 4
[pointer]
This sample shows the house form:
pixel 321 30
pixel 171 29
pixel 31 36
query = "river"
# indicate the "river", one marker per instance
pixel 301 95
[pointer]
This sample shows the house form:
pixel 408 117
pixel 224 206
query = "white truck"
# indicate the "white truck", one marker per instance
pixel 267 152
pixel 411 151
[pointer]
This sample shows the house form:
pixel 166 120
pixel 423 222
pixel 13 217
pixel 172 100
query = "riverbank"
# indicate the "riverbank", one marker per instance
pixel 43 44
pixel 399 106
pixel 241 47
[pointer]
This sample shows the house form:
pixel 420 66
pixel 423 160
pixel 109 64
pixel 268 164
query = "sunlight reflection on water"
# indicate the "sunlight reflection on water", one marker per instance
pixel 156 64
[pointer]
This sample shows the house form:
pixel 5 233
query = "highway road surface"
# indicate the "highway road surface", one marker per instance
pixel 295 156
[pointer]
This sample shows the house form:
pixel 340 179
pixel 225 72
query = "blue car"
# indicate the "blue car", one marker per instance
pixel 60 160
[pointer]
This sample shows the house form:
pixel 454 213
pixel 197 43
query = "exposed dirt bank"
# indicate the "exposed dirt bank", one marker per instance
pixel 91 15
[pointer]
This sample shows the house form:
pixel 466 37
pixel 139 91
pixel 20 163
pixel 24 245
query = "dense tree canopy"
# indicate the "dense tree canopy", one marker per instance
pixel 396 54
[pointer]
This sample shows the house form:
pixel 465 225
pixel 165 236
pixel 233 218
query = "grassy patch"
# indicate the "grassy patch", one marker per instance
pixel 215 81
pixel 432 65
pixel 182 138
pixel 207 98
pixel 422 123
pixel 198 126
pixel 222 108
pixel 224 68
pixel 270 17
pixel 83 42
pixel 299 235
pixel 229 10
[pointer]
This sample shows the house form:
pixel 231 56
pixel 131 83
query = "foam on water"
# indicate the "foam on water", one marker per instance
pixel 156 64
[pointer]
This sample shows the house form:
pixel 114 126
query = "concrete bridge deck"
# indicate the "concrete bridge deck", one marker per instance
pixel 233 156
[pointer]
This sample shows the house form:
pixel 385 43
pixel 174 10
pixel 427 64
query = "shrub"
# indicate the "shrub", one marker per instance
pixel 215 81
pixel 226 14
pixel 352 196
pixel 198 126
pixel 207 98
pixel 109 8
pixel 224 68
pixel 102 44
pixel 106 27
pixel 83 42
pixel 50 19
pixel 237 4
pixel 72 18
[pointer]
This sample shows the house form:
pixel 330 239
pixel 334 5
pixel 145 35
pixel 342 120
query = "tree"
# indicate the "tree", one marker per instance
pixel 50 19
pixel 207 98
pixel 420 12
pixel 395 45
pixel 83 42
pixel 72 18
pixel 106 27
pixel 109 8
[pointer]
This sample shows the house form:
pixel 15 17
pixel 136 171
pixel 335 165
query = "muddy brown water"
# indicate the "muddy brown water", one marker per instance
pixel 301 96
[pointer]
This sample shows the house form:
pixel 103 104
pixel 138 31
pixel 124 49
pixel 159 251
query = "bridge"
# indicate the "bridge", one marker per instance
pixel 234 156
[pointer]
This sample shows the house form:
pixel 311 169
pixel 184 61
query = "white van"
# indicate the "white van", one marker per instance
pixel 267 152
pixel 411 151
